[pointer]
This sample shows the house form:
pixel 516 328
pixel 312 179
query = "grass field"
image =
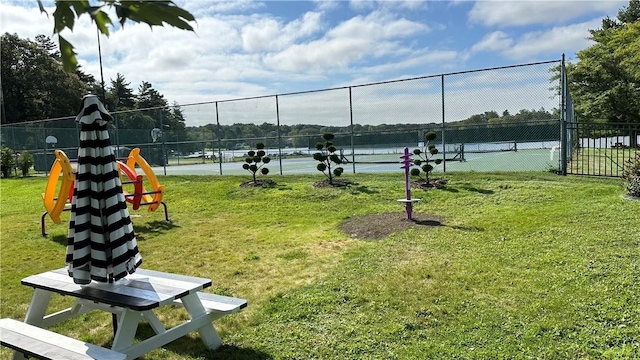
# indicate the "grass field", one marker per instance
pixel 525 265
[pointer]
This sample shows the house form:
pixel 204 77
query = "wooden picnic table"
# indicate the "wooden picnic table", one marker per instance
pixel 132 299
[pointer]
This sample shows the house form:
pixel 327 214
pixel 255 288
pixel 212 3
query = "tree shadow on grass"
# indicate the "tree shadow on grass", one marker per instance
pixel 434 223
pixel 480 191
pixel 232 352
pixel 192 346
pixel 356 189
pixel 157 226
pixel 60 239
pixel 449 189
pixel 427 222
pixel 467 228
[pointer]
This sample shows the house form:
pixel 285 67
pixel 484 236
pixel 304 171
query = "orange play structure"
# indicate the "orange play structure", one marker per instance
pixel 57 198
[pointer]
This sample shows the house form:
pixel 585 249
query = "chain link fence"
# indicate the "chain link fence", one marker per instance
pixel 513 124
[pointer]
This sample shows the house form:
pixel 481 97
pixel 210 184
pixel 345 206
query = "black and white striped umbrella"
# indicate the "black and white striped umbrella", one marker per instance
pixel 101 245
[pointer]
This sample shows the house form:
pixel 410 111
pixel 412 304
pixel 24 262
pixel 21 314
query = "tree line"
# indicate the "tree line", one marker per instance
pixel 35 87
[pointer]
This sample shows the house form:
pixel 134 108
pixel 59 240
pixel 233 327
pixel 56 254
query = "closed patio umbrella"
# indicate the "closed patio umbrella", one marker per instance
pixel 101 244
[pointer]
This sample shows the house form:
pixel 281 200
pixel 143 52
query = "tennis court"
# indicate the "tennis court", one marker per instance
pixel 520 160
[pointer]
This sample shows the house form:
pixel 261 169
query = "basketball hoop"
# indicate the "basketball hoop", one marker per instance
pixel 155 134
pixel 51 140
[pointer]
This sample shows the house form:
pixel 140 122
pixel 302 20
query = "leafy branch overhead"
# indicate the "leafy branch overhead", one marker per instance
pixel 153 13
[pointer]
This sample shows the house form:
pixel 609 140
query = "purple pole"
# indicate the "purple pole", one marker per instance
pixel 406 164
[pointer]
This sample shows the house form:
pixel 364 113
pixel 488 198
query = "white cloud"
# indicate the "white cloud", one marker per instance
pixel 367 5
pixel 346 43
pixel 531 45
pixel 495 41
pixel 425 58
pixel 327 5
pixel 561 39
pixel 269 34
pixel 27 22
pixel 208 8
pixel 520 13
pixel 378 25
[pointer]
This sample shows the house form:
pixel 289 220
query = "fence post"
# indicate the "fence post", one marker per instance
pixel 444 149
pixel 43 136
pixel 564 89
pixel 165 159
pixel 353 151
pixel 279 136
pixel 117 130
pixel 219 141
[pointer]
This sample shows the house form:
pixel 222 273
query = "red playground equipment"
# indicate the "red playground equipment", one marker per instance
pixel 132 186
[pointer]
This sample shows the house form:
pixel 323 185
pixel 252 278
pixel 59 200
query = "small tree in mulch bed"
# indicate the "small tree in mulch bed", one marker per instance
pixel 255 162
pixel 327 157
pixel 25 162
pixel 424 160
pixel 8 161
pixel 632 176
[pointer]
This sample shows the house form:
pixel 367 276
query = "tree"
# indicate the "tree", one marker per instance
pixel 34 84
pixel 92 84
pixel 46 44
pixel 119 95
pixel 7 161
pixel 150 98
pixel 153 13
pixel 632 176
pixel 425 157
pixel 326 156
pixel 176 121
pixel 255 162
pixel 605 81
pixel 25 162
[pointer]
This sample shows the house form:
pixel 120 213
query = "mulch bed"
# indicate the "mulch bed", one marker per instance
pixel 259 183
pixel 431 184
pixel 378 226
pixel 336 183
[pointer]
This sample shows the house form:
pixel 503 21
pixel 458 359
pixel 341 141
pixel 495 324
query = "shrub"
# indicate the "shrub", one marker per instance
pixel 327 156
pixel 255 162
pixel 8 161
pixel 632 175
pixel 25 162
pixel 425 157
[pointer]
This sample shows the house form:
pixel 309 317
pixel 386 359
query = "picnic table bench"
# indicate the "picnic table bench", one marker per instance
pixel 39 343
pixel 131 299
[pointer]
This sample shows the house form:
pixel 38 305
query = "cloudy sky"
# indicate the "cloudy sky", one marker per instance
pixel 251 48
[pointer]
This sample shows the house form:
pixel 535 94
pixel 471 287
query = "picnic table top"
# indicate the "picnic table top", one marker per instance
pixel 140 291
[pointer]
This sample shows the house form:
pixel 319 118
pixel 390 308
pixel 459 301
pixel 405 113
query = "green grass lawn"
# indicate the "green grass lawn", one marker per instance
pixel 525 265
